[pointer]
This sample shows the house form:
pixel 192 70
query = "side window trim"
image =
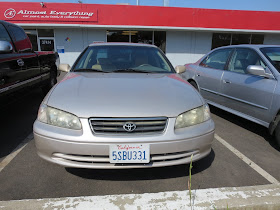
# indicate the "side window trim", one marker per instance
pixel 229 58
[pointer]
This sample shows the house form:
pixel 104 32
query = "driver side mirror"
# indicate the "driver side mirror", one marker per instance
pixel 64 67
pixel 5 47
pixel 258 71
pixel 180 69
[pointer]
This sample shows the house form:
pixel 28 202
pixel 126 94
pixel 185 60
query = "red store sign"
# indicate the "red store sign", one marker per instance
pixel 50 14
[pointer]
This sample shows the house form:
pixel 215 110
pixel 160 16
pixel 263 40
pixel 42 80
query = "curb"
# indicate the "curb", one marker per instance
pixel 253 197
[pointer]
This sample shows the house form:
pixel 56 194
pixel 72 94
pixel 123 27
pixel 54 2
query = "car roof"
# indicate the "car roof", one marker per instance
pixel 253 46
pixel 121 44
pixel 7 23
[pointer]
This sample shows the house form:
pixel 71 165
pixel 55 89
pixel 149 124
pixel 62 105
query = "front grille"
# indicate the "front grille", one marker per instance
pixel 104 161
pixel 115 125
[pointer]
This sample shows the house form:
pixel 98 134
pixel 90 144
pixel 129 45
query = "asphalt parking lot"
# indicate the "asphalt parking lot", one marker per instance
pixel 26 176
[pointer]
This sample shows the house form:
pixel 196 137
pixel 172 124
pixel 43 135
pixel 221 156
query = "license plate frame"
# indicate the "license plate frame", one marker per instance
pixel 129 153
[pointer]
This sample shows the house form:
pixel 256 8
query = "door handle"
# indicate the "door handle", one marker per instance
pixel 226 81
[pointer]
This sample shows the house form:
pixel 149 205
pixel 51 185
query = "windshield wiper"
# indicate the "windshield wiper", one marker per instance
pixel 90 70
pixel 132 70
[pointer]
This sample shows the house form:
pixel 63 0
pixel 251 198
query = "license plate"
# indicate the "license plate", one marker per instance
pixel 130 153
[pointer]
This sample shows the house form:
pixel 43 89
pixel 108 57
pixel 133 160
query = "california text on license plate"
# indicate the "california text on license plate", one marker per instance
pixel 130 153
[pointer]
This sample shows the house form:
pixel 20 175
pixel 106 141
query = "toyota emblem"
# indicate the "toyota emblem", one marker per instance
pixel 129 126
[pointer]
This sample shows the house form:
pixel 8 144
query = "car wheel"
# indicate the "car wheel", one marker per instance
pixel 193 83
pixel 51 82
pixel 277 134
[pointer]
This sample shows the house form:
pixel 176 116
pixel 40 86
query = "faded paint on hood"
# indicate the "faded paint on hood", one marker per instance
pixel 124 95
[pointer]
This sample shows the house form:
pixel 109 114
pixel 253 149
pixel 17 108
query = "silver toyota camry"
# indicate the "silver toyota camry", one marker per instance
pixel 123 106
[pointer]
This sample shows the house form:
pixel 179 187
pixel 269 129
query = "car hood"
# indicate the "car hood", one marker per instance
pixel 124 95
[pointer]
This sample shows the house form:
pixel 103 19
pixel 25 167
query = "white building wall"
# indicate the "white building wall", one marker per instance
pixel 79 39
pixel 187 47
pixel 271 39
pixel 181 47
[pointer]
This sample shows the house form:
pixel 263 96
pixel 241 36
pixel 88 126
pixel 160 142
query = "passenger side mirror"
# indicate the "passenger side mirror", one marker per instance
pixel 64 67
pixel 5 47
pixel 258 71
pixel 180 69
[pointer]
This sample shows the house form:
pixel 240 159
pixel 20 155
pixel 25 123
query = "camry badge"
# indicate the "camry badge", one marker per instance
pixel 129 126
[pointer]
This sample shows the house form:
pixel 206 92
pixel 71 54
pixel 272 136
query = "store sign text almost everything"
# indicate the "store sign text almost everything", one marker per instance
pixel 45 14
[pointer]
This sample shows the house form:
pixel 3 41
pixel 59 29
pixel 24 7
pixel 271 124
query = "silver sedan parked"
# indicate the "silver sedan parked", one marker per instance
pixel 243 80
pixel 123 106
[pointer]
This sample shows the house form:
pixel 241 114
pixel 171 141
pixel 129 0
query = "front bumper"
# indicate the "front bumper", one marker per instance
pixel 82 149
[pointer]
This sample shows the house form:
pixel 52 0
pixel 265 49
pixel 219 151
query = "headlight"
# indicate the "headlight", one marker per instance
pixel 58 118
pixel 193 117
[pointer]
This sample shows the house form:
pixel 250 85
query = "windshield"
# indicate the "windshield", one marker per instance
pixel 121 58
pixel 273 55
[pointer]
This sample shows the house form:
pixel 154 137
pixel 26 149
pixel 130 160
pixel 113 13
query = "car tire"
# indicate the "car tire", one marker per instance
pixel 51 82
pixel 193 83
pixel 277 134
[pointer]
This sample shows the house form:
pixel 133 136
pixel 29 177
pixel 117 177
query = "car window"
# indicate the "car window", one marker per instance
pixel 273 55
pixel 242 58
pixel 217 59
pixel 111 58
pixel 4 36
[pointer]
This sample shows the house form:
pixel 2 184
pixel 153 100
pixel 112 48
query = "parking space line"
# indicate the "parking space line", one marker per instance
pixel 254 197
pixel 249 162
pixel 14 153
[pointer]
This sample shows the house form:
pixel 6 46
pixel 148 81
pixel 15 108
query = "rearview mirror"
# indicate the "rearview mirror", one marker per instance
pixel 180 69
pixel 5 47
pixel 258 71
pixel 64 67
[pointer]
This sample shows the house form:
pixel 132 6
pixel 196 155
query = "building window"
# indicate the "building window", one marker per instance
pixel 47 44
pixel 257 39
pixel 118 36
pixel 240 39
pixel 46 39
pixel 45 33
pixel 220 39
pixel 41 39
pixel 160 40
pixel 157 38
pixel 224 39
pixel 145 37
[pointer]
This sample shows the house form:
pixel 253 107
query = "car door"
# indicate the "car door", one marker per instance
pixel 246 93
pixel 209 74
pixel 29 60
pixel 10 65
